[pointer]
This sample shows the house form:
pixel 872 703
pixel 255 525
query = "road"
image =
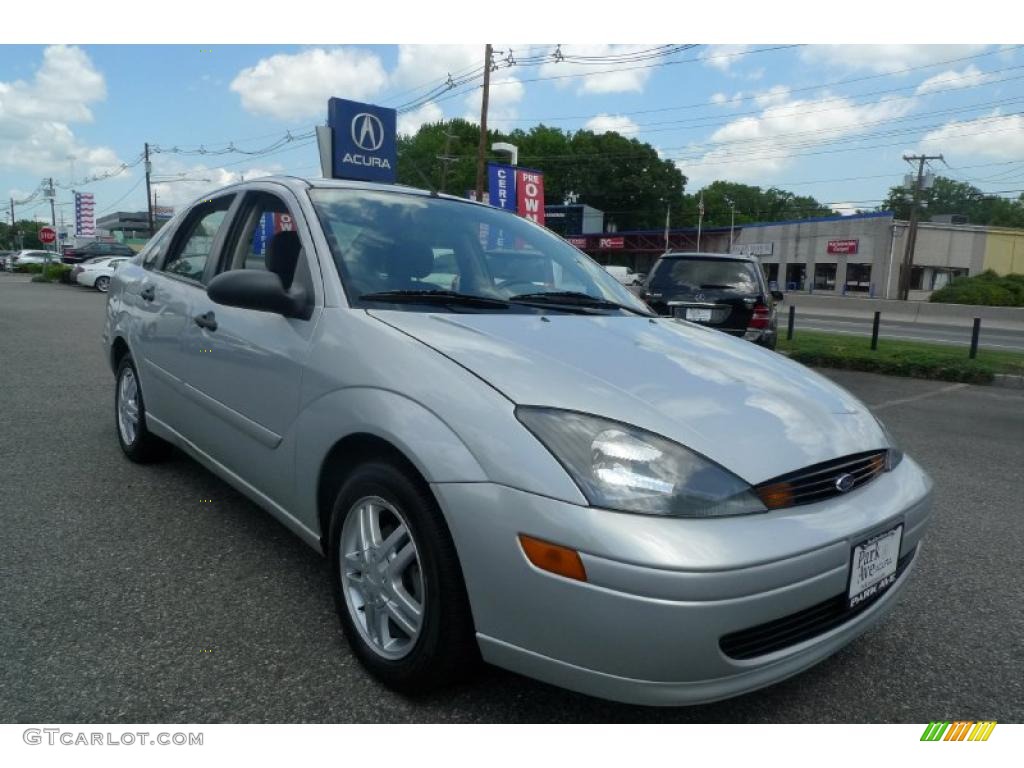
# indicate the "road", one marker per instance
pixel 124 598
pixel 936 333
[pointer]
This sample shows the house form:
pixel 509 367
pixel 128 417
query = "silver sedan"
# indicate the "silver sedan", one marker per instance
pixel 503 452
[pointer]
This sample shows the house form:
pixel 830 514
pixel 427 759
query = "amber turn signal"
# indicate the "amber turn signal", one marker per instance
pixel 553 558
pixel 776 495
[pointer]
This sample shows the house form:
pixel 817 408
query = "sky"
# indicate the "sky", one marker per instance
pixel 830 121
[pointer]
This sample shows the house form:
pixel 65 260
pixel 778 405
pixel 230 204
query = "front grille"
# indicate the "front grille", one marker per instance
pixel 821 481
pixel 803 625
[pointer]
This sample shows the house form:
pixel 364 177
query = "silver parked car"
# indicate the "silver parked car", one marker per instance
pixel 535 468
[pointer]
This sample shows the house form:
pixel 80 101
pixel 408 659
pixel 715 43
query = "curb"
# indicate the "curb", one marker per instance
pixel 1008 380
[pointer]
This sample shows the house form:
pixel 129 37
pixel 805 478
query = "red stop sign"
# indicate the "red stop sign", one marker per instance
pixel 47 235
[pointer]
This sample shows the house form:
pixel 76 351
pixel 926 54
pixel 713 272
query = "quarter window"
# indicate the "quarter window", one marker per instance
pixel 193 248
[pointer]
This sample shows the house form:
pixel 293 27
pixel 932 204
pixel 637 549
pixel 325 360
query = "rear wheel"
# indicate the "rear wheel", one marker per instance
pixel 137 442
pixel 398 585
pixel 102 284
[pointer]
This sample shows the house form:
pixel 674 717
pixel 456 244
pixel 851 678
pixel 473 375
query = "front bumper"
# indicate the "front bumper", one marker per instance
pixel 661 592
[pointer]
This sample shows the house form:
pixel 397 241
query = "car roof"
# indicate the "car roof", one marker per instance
pixel 298 184
pixel 704 255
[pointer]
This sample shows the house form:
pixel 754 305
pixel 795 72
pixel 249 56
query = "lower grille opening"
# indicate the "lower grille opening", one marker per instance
pixel 779 634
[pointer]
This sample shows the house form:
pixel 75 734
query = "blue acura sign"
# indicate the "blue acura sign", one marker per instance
pixel 365 141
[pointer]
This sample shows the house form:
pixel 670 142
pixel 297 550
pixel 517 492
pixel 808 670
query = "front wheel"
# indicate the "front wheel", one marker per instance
pixel 398 585
pixel 138 443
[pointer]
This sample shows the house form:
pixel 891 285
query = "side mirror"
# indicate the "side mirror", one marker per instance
pixel 261 290
pixel 778 295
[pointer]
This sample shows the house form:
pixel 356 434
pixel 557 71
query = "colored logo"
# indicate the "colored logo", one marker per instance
pixel 367 132
pixel 959 731
pixel 845 482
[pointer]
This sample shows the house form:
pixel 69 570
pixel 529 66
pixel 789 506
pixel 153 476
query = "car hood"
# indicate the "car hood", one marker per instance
pixel 749 409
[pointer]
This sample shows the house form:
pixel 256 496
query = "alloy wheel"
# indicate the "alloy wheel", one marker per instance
pixel 128 406
pixel 382 577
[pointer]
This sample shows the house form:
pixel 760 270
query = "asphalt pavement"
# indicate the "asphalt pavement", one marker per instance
pixel 126 598
pixel 996 339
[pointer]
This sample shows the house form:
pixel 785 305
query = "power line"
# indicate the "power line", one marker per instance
pixel 752 97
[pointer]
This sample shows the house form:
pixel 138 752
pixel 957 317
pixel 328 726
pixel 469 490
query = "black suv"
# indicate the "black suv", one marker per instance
pixel 727 292
pixel 94 250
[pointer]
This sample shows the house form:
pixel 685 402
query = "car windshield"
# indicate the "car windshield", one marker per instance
pixel 393 248
pixel 705 274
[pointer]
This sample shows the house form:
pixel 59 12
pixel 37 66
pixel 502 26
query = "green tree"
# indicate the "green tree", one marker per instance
pixel 752 204
pixel 623 177
pixel 24 234
pixel 959 197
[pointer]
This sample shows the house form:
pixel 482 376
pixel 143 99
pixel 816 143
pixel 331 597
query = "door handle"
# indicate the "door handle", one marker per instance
pixel 207 321
pixel 148 293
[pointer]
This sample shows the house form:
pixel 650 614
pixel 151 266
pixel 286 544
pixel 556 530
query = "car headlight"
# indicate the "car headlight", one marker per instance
pixel 621 467
pixel 893 454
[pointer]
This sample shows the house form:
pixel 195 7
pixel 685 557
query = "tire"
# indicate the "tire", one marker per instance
pixel 139 444
pixel 444 648
pixel 102 284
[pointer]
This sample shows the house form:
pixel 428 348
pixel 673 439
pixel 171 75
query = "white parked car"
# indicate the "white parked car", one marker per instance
pixel 31 256
pixel 96 274
pixel 623 275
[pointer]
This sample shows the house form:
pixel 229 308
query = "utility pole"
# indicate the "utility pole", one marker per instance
pixel 149 195
pixel 481 149
pixel 446 158
pixel 732 222
pixel 668 222
pixel 908 254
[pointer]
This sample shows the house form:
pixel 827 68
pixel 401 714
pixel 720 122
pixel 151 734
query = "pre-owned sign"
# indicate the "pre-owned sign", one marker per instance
pixel 365 141
pixel 530 195
pixel 843 246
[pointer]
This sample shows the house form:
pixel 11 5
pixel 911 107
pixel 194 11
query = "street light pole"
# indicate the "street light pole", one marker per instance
pixel 732 223
pixel 149 194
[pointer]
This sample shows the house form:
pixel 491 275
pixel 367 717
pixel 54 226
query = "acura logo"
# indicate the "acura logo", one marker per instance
pixel 367 132
pixel 845 482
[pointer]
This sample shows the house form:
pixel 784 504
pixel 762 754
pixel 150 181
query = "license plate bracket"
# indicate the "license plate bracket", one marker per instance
pixel 873 564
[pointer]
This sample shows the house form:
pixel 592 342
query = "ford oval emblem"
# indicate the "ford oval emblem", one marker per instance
pixel 845 482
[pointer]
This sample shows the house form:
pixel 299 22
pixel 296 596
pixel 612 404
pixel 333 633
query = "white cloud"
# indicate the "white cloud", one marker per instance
pixel 425 65
pixel 197 180
pixel 777 94
pixel 969 77
pixel 410 122
pixel 297 86
pixel 721 99
pixel 996 136
pixel 722 57
pixel 610 79
pixel 845 209
pixel 753 148
pixel 604 123
pixel 35 134
pixel 885 58
pixel 503 104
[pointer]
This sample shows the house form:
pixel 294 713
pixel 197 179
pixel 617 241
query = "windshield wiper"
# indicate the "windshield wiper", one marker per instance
pixel 573 299
pixel 715 285
pixel 436 297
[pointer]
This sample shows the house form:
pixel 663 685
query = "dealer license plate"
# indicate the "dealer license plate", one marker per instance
pixel 873 565
pixel 698 315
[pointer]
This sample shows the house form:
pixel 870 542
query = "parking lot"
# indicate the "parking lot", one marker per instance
pixel 126 597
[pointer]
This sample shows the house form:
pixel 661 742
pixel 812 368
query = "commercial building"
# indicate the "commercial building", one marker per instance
pixel 862 253
pixel 859 254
